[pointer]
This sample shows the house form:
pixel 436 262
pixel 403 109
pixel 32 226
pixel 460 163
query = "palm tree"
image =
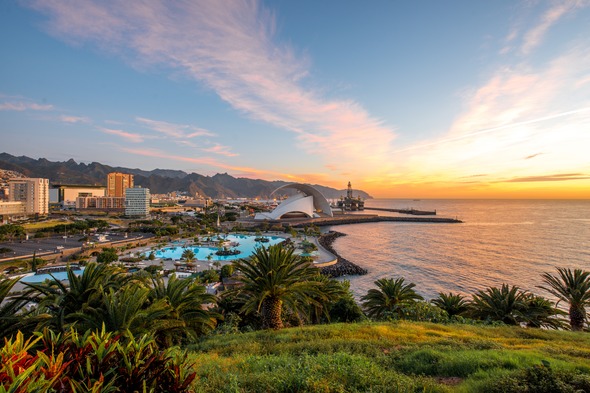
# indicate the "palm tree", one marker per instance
pixel 330 291
pixel 453 304
pixel 274 278
pixel 573 288
pixel 391 298
pixel 127 311
pixel 508 305
pixel 188 301
pixel 63 303
pixel 188 255
pixel 542 313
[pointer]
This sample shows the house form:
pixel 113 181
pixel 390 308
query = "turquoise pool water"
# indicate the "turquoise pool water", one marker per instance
pixel 246 245
pixel 37 278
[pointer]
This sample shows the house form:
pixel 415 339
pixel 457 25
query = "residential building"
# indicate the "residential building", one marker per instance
pixel 137 201
pixel 117 183
pixel 33 192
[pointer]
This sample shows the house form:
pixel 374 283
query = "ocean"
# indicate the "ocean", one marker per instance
pixel 499 241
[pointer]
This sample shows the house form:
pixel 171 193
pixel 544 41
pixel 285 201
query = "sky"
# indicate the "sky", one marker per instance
pixel 405 99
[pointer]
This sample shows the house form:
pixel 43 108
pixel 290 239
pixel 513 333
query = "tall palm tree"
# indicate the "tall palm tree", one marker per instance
pixel 507 304
pixel 573 288
pixel 274 278
pixel 453 304
pixel 391 298
pixel 189 303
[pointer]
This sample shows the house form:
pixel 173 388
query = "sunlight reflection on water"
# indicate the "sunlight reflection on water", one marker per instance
pixel 500 241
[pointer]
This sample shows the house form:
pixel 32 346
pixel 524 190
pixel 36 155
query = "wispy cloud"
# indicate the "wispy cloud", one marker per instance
pixel 532 156
pixel 230 47
pixel 544 178
pixel 221 150
pixel 558 10
pixel 131 137
pixel 174 130
pixel 210 162
pixel 519 109
pixel 20 106
pixel 74 119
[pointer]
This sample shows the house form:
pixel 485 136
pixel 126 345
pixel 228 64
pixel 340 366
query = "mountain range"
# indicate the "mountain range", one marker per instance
pixel 159 181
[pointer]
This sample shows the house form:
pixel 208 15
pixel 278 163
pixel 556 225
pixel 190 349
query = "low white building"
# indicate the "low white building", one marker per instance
pixel 137 202
pixel 66 195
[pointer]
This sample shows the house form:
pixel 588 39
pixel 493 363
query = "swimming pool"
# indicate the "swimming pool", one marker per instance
pixel 37 278
pixel 246 246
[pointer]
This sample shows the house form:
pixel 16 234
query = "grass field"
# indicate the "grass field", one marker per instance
pixel 388 357
pixel 35 226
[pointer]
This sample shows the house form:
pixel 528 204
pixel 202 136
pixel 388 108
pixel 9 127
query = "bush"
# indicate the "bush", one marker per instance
pixel 227 271
pixel 107 255
pixel 94 361
pixel 346 310
pixel 209 276
pixel 153 269
pixel 541 379
pixel 425 312
pixel 130 259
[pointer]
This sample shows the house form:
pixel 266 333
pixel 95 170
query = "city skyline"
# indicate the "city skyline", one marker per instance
pixel 429 100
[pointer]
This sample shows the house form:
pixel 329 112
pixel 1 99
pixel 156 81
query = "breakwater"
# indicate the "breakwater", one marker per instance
pixel 359 219
pixel 405 211
pixel 343 267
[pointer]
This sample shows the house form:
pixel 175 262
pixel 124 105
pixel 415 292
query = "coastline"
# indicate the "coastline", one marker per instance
pixel 343 266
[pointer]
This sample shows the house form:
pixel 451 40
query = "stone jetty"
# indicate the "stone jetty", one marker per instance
pixel 363 218
pixel 343 267
pixel 405 211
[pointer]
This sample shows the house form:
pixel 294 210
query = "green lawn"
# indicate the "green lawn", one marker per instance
pixel 387 357
pixel 35 226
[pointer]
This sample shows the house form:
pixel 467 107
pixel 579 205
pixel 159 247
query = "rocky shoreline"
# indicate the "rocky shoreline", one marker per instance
pixel 343 267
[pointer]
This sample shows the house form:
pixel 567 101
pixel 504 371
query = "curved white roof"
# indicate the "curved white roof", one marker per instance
pixel 308 201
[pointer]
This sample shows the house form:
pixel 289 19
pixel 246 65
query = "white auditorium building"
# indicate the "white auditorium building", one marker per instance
pixel 308 202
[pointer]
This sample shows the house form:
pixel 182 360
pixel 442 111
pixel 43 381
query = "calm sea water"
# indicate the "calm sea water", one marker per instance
pixel 500 241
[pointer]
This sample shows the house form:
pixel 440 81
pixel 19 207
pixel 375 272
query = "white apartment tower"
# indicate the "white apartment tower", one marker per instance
pixel 137 201
pixel 32 192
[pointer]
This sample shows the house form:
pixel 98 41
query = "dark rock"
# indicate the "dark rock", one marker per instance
pixel 343 267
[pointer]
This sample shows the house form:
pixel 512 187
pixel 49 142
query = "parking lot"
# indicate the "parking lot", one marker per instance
pixel 56 244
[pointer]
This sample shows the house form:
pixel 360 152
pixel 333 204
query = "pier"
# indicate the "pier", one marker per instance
pixel 362 218
pixel 405 211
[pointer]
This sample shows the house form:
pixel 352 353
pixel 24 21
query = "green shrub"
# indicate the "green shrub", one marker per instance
pixel 107 255
pixel 92 362
pixel 541 379
pixel 424 312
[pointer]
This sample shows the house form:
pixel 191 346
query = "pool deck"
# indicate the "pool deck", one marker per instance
pixel 324 257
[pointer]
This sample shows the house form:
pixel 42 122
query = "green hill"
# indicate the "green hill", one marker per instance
pixel 394 357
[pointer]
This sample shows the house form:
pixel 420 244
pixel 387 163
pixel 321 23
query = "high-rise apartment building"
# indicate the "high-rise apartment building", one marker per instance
pixel 137 202
pixel 117 183
pixel 32 192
